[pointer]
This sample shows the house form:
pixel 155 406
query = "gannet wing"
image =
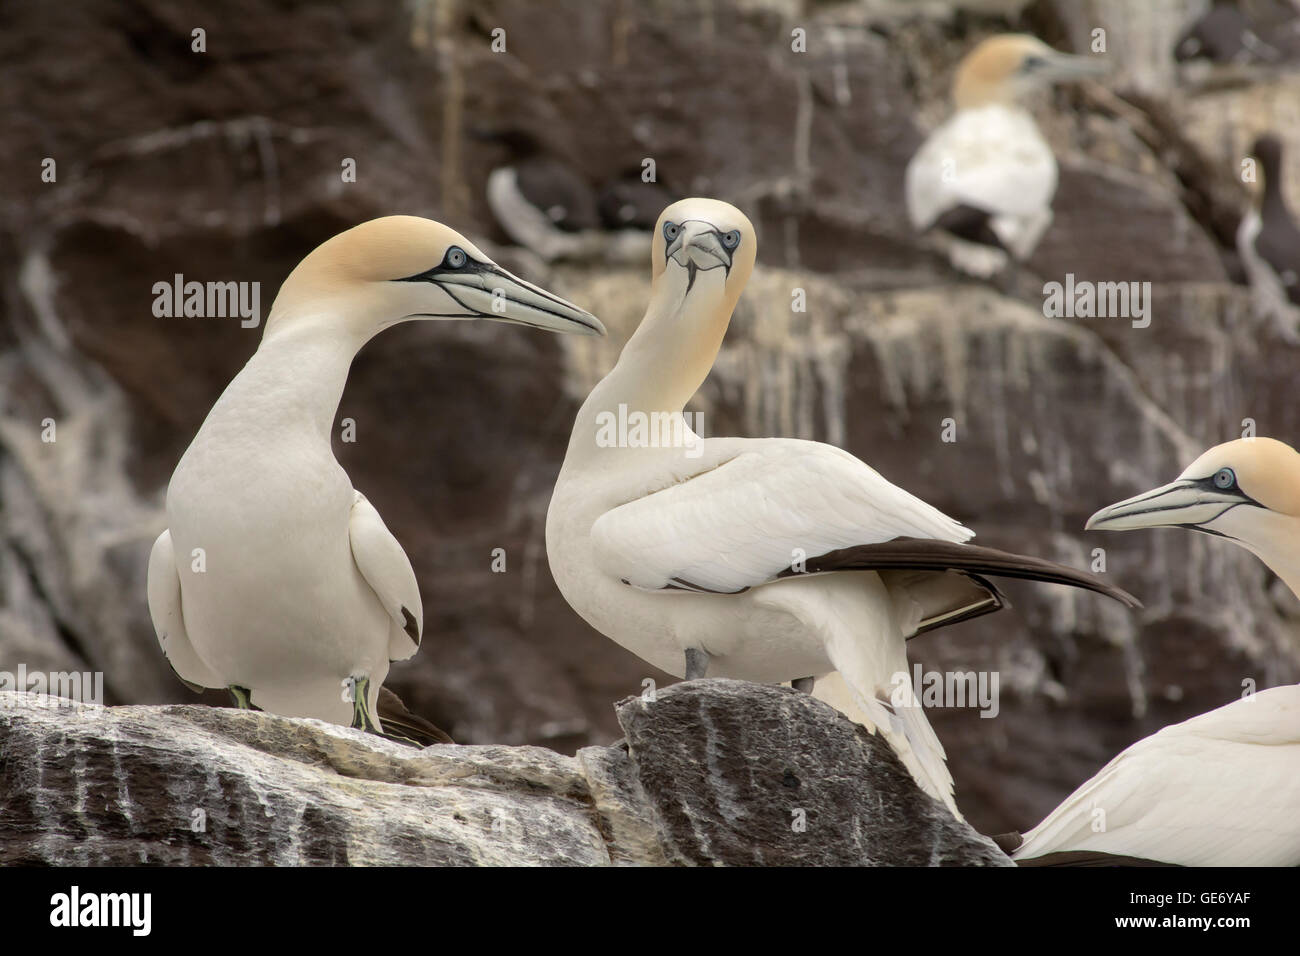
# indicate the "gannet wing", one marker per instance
pixel 1220 788
pixel 388 571
pixel 783 507
pixel 164 592
pixel 776 503
pixel 992 158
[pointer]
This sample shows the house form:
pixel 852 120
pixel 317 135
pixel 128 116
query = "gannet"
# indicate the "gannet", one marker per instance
pixel 761 559
pixel 1269 245
pixel 986 177
pixel 275 578
pixel 1223 788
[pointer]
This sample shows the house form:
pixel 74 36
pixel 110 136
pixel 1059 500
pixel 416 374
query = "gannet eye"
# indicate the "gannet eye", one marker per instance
pixel 1224 479
pixel 456 257
pixel 1031 63
pixel 731 239
pixel 671 229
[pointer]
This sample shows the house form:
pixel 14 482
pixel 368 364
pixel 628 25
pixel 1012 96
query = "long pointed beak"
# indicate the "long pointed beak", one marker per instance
pixel 1068 66
pixel 1181 503
pixel 494 293
pixel 700 245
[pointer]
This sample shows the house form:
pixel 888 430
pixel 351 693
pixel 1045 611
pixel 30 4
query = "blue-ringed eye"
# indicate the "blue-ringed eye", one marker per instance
pixel 1224 479
pixel 671 229
pixel 731 239
pixel 456 257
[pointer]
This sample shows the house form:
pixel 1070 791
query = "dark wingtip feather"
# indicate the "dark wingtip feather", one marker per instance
pixel 925 554
pixel 395 717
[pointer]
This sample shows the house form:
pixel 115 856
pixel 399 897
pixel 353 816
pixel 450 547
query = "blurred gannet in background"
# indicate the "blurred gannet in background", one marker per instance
pixel 986 177
pixel 275 578
pixel 761 559
pixel 1269 245
pixel 1223 788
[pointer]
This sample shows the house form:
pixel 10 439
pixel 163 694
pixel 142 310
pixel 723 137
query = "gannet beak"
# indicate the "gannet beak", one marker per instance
pixel 490 292
pixel 699 246
pixel 1067 66
pixel 1185 503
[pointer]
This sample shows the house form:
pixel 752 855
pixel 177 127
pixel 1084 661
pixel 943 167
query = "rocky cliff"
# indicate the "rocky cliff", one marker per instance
pixel 710 773
pixel 226 165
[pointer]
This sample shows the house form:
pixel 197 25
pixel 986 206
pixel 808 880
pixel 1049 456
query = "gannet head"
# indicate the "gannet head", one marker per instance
pixel 1004 68
pixel 398 268
pixel 707 246
pixel 1236 490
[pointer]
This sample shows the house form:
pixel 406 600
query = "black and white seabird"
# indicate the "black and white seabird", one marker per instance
pixel 275 578
pixel 1269 245
pixel 768 559
pixel 983 182
pixel 1223 788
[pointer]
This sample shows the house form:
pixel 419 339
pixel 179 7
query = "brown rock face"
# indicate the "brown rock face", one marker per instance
pixel 226 165
pixel 186 786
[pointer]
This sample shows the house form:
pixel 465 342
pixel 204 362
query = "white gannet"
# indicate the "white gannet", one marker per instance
pixel 986 177
pixel 1223 788
pixel 1220 789
pixel 275 578
pixel 1269 245
pixel 761 559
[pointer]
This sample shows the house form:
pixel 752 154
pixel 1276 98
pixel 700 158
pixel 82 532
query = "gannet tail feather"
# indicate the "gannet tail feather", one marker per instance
pixel 397 719
pixel 909 733
pixel 164 590
pixel 919 554
pixel 388 571
pixel 892 708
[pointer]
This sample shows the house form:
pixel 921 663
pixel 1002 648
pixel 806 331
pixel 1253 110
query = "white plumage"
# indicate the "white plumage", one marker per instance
pixel 275 578
pixel 992 158
pixel 705 554
pixel 1220 789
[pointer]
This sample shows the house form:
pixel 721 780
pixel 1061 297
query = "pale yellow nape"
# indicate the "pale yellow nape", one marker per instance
pixel 984 75
pixel 1267 469
pixel 380 250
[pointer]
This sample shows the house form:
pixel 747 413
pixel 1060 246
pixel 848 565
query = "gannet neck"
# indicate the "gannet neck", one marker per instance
pixel 669 356
pixel 293 383
pixel 1274 539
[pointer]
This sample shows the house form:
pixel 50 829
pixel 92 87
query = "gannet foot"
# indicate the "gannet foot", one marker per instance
pixel 803 684
pixel 361 716
pixel 243 697
pixel 697 663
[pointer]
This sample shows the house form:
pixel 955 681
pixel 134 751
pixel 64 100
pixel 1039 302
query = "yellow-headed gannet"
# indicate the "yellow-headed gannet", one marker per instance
pixel 986 177
pixel 716 555
pixel 1223 788
pixel 1269 245
pixel 275 578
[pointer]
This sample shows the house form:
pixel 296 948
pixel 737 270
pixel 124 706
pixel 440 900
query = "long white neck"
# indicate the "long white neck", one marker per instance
pixel 292 385
pixel 668 357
